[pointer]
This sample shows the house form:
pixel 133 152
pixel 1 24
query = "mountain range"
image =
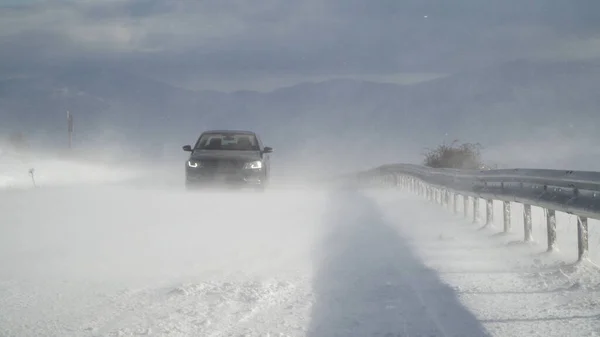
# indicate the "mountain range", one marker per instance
pixel 357 119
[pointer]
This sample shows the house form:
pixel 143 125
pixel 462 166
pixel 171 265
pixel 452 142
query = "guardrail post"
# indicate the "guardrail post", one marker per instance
pixel 489 212
pixel 444 198
pixel 466 205
pixel 475 209
pixel 507 216
pixel 528 226
pixel 551 225
pixel 582 238
pixel 455 202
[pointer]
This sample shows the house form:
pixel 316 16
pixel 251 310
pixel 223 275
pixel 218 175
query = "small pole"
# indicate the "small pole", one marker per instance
pixel 31 171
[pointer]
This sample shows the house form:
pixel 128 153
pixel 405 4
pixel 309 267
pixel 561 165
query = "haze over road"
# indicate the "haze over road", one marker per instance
pixel 121 259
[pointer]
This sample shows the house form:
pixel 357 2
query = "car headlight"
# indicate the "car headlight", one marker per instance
pixel 254 165
pixel 194 164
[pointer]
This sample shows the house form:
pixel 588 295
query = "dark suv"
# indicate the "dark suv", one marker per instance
pixel 228 157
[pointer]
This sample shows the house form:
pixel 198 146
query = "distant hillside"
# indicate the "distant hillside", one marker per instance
pixel 345 117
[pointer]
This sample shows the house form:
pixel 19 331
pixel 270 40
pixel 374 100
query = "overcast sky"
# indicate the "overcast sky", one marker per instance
pixel 233 44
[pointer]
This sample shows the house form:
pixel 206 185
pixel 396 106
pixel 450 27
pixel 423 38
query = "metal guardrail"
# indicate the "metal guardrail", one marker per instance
pixel 573 192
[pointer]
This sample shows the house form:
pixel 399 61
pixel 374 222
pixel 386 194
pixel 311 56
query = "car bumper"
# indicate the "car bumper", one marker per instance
pixel 199 177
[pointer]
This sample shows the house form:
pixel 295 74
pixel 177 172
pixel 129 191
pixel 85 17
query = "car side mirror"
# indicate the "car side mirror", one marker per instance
pixel 267 149
pixel 187 148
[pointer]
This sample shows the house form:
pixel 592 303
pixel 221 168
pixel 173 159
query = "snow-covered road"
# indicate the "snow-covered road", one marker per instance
pixel 128 261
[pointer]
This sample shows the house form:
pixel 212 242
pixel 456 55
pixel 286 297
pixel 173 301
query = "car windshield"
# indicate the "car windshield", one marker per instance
pixel 227 141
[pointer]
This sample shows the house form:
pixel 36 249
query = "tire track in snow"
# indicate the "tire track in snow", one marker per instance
pixel 370 283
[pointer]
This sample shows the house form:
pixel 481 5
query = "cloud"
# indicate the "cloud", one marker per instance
pixel 572 48
pixel 223 38
pixel 114 27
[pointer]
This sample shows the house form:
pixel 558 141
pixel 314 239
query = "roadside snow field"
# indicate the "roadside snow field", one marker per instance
pixel 47 171
pixel 123 260
pixel 511 287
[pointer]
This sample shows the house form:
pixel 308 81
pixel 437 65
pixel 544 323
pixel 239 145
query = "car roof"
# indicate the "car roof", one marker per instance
pixel 244 132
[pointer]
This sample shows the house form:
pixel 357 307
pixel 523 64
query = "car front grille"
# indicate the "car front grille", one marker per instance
pixel 222 165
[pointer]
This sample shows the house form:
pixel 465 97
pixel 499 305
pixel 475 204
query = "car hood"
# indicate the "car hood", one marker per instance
pixel 225 154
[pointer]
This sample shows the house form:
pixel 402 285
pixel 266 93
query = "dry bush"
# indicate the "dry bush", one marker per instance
pixel 463 156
